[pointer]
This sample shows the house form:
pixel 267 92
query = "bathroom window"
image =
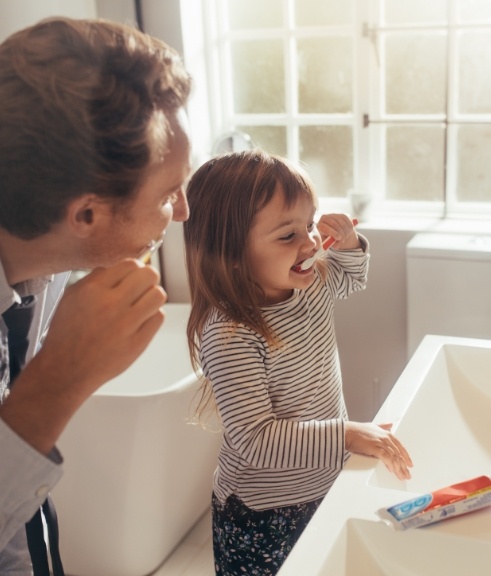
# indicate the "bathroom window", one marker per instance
pixel 391 97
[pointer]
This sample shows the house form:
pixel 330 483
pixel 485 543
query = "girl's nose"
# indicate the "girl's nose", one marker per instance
pixel 313 240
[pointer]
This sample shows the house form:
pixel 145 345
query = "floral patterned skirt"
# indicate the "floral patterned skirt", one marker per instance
pixel 255 542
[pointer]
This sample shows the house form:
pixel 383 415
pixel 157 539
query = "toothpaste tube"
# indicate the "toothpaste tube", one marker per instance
pixel 435 506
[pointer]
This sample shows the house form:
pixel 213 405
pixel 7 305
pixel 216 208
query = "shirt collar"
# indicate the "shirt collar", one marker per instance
pixel 11 294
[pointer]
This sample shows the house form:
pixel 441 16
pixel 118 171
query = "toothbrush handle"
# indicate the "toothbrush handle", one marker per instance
pixel 329 241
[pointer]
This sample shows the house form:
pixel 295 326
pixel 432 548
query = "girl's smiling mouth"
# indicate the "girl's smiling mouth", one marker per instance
pixel 299 270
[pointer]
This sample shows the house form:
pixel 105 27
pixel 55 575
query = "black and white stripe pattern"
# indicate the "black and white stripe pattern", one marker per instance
pixel 283 409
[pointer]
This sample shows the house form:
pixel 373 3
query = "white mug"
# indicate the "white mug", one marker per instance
pixel 361 203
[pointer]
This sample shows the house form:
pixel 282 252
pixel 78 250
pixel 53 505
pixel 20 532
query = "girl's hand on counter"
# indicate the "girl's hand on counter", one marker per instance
pixel 377 441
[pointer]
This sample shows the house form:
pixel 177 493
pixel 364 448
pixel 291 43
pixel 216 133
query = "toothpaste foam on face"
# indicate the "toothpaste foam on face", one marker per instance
pixel 436 506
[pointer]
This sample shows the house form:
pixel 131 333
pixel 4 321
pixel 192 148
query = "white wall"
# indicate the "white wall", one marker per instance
pixel 163 19
pixel 371 325
pixel 17 14
pixel 117 10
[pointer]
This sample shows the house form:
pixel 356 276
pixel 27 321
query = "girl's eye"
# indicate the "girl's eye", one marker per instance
pixel 311 226
pixel 288 237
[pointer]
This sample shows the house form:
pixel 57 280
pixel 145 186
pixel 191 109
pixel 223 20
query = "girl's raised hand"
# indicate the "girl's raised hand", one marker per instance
pixel 379 442
pixel 341 228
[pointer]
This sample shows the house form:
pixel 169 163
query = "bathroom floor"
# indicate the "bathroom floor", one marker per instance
pixel 194 555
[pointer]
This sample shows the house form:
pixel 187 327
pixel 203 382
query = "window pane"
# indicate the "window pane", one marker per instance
pixel 474 166
pixel 415 159
pixel 327 152
pixel 269 138
pixel 325 75
pixel 255 14
pixel 415 11
pixel 473 10
pixel 475 73
pixel 258 77
pixel 325 13
pixel 416 73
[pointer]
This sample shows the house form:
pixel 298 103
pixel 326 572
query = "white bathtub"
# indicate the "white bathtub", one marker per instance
pixel 137 476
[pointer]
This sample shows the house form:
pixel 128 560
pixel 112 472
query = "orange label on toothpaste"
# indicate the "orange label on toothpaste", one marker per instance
pixel 444 503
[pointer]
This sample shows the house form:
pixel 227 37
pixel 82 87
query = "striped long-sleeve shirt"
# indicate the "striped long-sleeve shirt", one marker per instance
pixel 283 409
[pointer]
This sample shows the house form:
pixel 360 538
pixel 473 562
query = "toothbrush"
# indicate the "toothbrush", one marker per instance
pixel 152 247
pixel 328 242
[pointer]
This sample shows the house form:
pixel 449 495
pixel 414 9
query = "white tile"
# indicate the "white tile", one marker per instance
pixel 202 563
pixel 194 556
pixel 178 561
pixel 201 532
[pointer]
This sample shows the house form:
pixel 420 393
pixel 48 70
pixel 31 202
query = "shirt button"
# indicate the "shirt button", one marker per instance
pixel 42 490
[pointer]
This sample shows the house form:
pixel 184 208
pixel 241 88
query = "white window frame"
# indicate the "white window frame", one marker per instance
pixel 211 70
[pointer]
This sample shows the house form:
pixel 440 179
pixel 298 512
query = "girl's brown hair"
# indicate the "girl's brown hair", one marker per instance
pixel 224 196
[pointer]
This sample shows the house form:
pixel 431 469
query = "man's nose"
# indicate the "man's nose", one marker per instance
pixel 180 207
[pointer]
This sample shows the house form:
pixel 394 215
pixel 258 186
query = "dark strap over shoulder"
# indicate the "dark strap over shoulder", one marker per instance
pixel 37 545
pixel 18 319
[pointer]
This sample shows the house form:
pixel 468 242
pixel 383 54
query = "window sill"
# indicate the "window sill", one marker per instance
pixel 419 224
pixel 382 218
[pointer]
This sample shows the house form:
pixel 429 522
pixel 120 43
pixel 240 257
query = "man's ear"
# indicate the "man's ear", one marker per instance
pixel 86 213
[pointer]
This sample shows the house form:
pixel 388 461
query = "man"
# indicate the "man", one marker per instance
pixel 94 153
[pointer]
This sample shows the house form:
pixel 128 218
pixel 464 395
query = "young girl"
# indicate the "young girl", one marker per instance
pixel 262 331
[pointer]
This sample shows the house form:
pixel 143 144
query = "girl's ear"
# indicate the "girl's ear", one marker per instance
pixel 87 213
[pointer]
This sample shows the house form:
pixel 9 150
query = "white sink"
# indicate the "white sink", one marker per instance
pixel 452 408
pixel 367 548
pixel 441 410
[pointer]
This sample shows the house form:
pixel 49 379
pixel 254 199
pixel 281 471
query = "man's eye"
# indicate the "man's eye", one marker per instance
pixel 172 198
